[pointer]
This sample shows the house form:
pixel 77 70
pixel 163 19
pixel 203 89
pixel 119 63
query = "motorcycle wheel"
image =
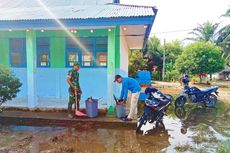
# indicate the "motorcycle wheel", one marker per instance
pixel 180 101
pixel 142 121
pixel 211 101
pixel 160 125
pixel 180 112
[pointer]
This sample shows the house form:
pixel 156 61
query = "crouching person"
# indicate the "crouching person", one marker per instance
pixel 74 89
pixel 129 84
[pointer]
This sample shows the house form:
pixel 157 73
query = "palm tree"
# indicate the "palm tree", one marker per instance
pixel 154 46
pixel 227 13
pixel 154 53
pixel 223 39
pixel 204 32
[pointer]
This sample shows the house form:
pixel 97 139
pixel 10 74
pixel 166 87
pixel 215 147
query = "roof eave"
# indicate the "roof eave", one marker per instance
pixel 51 23
pixel 148 30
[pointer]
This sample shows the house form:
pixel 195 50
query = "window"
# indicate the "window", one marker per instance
pixel 18 52
pixel 44 59
pixel 101 44
pixel 102 59
pixel 101 51
pixel 16 58
pixel 90 52
pixel 87 51
pixel 71 52
pixel 86 59
pixel 43 52
pixel 72 58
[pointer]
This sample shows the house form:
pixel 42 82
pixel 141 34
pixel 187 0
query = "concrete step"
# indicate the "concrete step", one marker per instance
pixel 36 118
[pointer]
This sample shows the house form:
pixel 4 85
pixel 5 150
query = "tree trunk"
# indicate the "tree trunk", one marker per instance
pixel 210 75
pixel 200 79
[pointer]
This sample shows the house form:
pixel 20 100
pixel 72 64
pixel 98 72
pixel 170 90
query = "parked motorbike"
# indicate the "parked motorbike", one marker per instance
pixel 207 97
pixel 154 110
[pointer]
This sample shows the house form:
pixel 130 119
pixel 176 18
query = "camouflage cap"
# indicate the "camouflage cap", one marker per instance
pixel 75 64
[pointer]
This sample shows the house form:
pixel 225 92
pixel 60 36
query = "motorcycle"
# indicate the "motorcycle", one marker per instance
pixel 154 110
pixel 207 97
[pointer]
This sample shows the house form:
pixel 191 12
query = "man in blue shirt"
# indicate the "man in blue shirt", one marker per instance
pixel 129 84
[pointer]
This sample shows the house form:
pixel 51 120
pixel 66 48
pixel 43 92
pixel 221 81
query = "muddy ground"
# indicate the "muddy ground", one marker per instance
pixel 194 129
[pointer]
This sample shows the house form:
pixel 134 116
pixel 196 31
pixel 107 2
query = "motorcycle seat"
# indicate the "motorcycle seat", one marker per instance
pixel 207 90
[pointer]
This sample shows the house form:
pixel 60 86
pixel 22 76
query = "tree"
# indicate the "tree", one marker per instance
pixel 173 50
pixel 154 54
pixel 227 13
pixel 204 32
pixel 136 62
pixel 9 85
pixel 199 58
pixel 223 39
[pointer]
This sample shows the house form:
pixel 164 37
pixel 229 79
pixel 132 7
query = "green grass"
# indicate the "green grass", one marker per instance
pixel 224 147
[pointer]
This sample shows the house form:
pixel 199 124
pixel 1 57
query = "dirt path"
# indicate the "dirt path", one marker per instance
pixel 176 88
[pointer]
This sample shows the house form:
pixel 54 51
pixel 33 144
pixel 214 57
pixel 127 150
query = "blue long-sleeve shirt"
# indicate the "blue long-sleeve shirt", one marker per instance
pixel 129 84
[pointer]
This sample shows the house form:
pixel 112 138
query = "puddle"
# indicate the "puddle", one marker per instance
pixel 196 130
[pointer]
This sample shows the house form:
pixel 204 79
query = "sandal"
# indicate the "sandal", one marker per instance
pixel 127 119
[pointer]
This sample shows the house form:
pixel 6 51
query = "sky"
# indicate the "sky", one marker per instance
pixel 183 15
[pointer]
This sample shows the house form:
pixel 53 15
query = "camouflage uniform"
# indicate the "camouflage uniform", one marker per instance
pixel 74 77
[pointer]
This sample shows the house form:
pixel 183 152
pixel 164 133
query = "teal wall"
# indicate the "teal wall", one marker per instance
pixel 51 82
pixel 4 45
pixel 4 51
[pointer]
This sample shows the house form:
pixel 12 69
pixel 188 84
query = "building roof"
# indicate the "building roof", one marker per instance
pixel 75 12
pixel 54 14
pixel 50 3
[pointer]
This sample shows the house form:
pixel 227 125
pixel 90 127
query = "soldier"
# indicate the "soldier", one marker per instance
pixel 74 89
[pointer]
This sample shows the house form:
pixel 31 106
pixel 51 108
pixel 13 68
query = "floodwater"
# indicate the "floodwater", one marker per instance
pixel 196 130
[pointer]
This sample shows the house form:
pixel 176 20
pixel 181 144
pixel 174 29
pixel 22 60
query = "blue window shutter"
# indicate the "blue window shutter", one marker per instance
pixel 94 46
pixel 43 52
pixel 101 50
pixel 72 52
pixel 17 52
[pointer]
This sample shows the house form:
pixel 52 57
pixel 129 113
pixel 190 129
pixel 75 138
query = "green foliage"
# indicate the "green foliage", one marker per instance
pixel 9 85
pixel 154 47
pixel 154 53
pixel 174 74
pixel 224 147
pixel 204 32
pixel 136 62
pixel 200 57
pixel 173 50
pixel 156 75
pixel 227 13
pixel 223 40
